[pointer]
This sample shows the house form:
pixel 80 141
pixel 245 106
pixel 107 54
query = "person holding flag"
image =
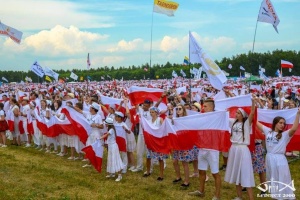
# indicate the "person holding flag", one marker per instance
pixel 277 138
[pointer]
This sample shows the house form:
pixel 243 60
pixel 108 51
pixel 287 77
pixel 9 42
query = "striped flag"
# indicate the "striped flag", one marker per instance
pixel 94 153
pixel 12 33
pixel 286 64
pixel 268 14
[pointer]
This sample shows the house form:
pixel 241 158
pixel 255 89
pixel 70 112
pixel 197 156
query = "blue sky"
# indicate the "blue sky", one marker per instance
pixel 60 33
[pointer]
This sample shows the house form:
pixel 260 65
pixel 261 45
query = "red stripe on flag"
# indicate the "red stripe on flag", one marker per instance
pixel 91 155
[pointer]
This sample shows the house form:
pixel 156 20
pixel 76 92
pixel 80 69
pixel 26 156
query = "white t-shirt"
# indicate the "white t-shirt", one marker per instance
pixel 1 113
pixel 111 139
pixel 237 132
pixel 274 145
pixel 145 114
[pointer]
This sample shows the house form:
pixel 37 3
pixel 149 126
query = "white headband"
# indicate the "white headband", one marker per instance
pixel 243 112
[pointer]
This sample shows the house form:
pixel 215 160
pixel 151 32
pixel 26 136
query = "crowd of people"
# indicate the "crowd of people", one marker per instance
pixel 28 103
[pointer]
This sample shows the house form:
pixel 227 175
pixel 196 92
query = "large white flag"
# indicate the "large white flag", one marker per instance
pixel 14 34
pixel 4 79
pixel 197 55
pixel 268 14
pixel 174 74
pixel 50 72
pixel 73 76
pixel 37 69
pixel 165 7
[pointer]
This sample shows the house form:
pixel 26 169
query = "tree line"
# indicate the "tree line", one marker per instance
pixel 250 61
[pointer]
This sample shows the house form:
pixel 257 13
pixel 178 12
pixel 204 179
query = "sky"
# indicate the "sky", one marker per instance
pixel 60 33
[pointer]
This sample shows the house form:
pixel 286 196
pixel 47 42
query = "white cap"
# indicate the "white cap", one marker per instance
pixel 119 114
pixel 95 106
pixel 109 121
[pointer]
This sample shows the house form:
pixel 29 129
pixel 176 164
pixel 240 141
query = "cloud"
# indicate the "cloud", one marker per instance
pixel 58 41
pixel 123 45
pixel 169 44
pixel 110 60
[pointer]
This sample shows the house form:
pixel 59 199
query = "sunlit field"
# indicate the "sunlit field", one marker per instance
pixel 27 173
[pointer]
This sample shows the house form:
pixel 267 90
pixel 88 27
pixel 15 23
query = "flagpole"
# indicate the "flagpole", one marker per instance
pixel 254 36
pixel 151 37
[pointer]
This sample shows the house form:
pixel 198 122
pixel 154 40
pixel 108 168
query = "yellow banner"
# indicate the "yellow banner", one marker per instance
pixel 165 7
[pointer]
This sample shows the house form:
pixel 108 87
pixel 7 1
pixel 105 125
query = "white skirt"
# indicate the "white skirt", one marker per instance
pixel 239 168
pixel 93 137
pixel 131 143
pixel 114 162
pixel 278 170
pixel 63 139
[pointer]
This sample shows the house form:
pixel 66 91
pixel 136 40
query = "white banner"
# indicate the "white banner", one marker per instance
pixel 74 76
pixel 14 34
pixel 50 72
pixel 37 69
pixel 268 14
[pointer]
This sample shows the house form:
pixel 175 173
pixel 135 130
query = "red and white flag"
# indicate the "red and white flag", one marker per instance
pixel 88 61
pixel 81 126
pixel 286 64
pixel 12 33
pixel 94 153
pixel 268 14
pixel 266 118
pixel 208 130
pixel 121 138
pixel 137 95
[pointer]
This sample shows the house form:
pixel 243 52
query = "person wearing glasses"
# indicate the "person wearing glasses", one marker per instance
pixel 185 156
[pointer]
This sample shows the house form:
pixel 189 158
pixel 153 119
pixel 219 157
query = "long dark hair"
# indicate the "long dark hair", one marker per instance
pixel 275 121
pixel 109 126
pixel 244 119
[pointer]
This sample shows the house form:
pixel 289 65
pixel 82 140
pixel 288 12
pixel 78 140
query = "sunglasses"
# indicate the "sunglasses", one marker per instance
pixel 178 109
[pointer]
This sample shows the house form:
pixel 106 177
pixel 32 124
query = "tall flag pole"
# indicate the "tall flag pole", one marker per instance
pixel 163 7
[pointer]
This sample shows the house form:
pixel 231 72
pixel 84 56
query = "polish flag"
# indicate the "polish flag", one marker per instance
pixel 208 130
pixel 121 138
pixel 57 126
pixel 94 153
pixel 286 64
pixel 30 129
pixel 10 120
pixel 41 124
pixel 266 118
pixel 137 95
pixel 233 103
pixel 80 124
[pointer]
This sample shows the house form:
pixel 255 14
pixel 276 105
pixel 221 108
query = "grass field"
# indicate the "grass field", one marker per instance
pixel 26 173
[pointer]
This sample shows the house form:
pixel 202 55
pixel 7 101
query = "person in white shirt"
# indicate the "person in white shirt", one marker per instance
pixel 276 163
pixel 24 113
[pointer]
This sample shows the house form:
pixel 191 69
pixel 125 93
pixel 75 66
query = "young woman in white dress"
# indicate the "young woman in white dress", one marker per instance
pixel 239 168
pixel 278 172
pixel 4 126
pixel 114 161
pixel 15 112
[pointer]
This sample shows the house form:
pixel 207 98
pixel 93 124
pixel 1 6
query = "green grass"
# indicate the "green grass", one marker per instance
pixel 26 173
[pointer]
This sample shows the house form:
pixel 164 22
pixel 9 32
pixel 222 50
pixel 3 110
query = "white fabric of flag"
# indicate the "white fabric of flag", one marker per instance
pixel 50 72
pixel 37 69
pixel 73 76
pixel 199 73
pixel 165 7
pixel 197 55
pixel 242 68
pixel 182 73
pixel 4 79
pixel 12 33
pixel 268 14
pixel 230 66
pixel 174 74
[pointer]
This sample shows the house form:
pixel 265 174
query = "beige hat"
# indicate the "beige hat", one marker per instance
pixel 197 105
pixel 71 95
pixel 95 106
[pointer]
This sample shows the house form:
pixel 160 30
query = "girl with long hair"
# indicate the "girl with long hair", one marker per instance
pixel 278 172
pixel 239 168
pixel 3 126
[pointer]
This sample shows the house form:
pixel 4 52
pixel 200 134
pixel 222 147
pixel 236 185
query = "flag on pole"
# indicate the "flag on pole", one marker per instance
pixel 108 76
pixel 47 78
pixel 165 7
pixel 185 60
pixel 197 55
pixel 145 69
pixel 229 66
pixel 268 14
pixel 81 78
pixel 88 61
pixel 182 73
pixel 4 79
pixel 174 74
pixel 12 33
pixel 242 68
pixel 286 64
pixel 37 69
pixel 73 76
pixel 51 73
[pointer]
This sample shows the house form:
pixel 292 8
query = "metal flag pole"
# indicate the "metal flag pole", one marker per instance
pixel 151 38
pixel 190 68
